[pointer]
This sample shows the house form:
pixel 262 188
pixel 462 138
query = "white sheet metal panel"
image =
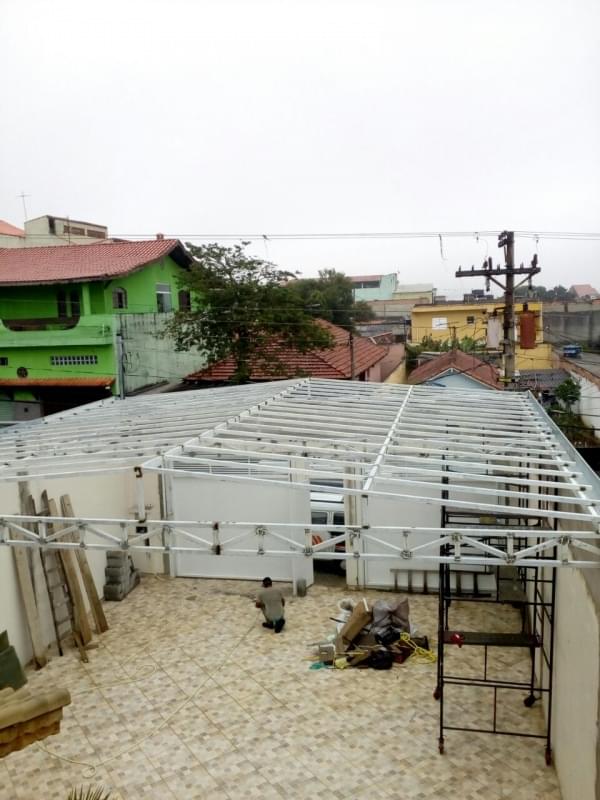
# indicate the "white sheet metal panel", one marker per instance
pixel 225 500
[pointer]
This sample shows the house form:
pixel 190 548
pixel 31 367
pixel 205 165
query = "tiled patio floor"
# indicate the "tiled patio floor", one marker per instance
pixel 187 696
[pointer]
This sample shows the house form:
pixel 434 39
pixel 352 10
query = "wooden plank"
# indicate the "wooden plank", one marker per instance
pixel 86 574
pixel 81 622
pixel 40 587
pixel 40 651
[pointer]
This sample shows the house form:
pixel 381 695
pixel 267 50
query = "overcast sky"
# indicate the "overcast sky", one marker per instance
pixel 201 117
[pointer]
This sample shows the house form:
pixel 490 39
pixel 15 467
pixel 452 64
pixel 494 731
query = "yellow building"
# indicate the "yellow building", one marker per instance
pixel 455 321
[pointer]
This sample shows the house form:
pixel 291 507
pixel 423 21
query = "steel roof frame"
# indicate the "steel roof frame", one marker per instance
pixel 377 440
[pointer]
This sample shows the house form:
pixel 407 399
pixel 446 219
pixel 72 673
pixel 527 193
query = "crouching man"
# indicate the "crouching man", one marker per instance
pixel 270 600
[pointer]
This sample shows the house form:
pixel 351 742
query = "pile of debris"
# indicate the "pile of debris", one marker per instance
pixel 375 635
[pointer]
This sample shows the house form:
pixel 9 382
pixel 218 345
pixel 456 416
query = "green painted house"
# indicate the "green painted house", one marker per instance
pixel 61 310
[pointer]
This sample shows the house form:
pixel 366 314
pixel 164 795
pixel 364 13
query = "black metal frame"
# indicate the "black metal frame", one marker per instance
pixel 529 591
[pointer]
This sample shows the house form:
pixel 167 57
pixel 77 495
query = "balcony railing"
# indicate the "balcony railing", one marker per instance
pixel 44 324
pixel 53 332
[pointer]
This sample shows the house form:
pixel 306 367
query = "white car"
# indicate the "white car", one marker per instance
pixel 328 509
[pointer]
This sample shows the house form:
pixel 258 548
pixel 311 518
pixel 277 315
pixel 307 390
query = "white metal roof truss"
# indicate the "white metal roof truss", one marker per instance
pixel 492 452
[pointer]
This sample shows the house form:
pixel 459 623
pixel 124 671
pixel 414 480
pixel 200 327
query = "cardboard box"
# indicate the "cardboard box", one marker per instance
pixel 361 616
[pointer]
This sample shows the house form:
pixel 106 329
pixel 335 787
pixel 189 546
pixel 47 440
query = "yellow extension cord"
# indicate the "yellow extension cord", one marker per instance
pixel 421 652
pixel 341 662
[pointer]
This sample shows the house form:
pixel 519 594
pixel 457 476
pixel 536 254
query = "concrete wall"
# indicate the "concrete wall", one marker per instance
pixel 151 359
pixel 12 615
pixel 589 403
pixel 580 324
pixel 111 495
pixel 576 702
pixel 576 688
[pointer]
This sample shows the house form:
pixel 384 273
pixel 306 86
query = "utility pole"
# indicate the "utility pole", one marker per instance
pixel 506 240
pixel 352 378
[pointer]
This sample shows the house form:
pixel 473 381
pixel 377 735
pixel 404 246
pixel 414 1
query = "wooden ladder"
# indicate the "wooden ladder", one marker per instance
pixel 61 604
pixel 70 579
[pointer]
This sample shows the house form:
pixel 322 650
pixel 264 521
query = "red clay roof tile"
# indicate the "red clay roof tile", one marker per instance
pixel 333 362
pixel 86 262
pixel 6 229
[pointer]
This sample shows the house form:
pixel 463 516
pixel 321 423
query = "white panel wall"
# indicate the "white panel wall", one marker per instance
pixel 576 712
pixel 418 513
pixel 12 615
pixel 589 403
pixel 109 495
pixel 396 511
pixel 222 500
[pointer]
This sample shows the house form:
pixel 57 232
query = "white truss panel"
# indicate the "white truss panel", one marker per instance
pixel 396 453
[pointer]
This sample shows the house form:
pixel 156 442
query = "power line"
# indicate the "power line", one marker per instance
pixel 315 235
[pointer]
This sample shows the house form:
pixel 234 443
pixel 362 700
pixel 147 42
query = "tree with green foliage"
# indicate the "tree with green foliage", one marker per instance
pixel 541 293
pixel 242 306
pixel 568 392
pixel 331 297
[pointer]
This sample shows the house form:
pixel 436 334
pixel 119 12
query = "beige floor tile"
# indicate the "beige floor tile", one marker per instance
pixel 207 704
pixel 191 781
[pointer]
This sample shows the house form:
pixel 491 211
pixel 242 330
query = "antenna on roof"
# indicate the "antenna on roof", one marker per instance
pixel 23 196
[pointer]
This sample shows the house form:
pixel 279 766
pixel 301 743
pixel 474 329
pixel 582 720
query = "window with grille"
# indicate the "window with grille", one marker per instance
pixel 72 361
pixel 470 320
pixel 163 297
pixel 119 298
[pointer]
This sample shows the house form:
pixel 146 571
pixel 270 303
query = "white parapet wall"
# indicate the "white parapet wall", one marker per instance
pixel 108 495
pixel 589 403
pixel 576 687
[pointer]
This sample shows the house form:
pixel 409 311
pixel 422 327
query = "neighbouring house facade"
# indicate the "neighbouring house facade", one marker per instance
pixel 392 312
pixel 415 292
pixel 386 287
pixel 50 230
pixel 351 356
pixel 373 287
pixel 61 312
pixel 456 370
pixel 479 320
